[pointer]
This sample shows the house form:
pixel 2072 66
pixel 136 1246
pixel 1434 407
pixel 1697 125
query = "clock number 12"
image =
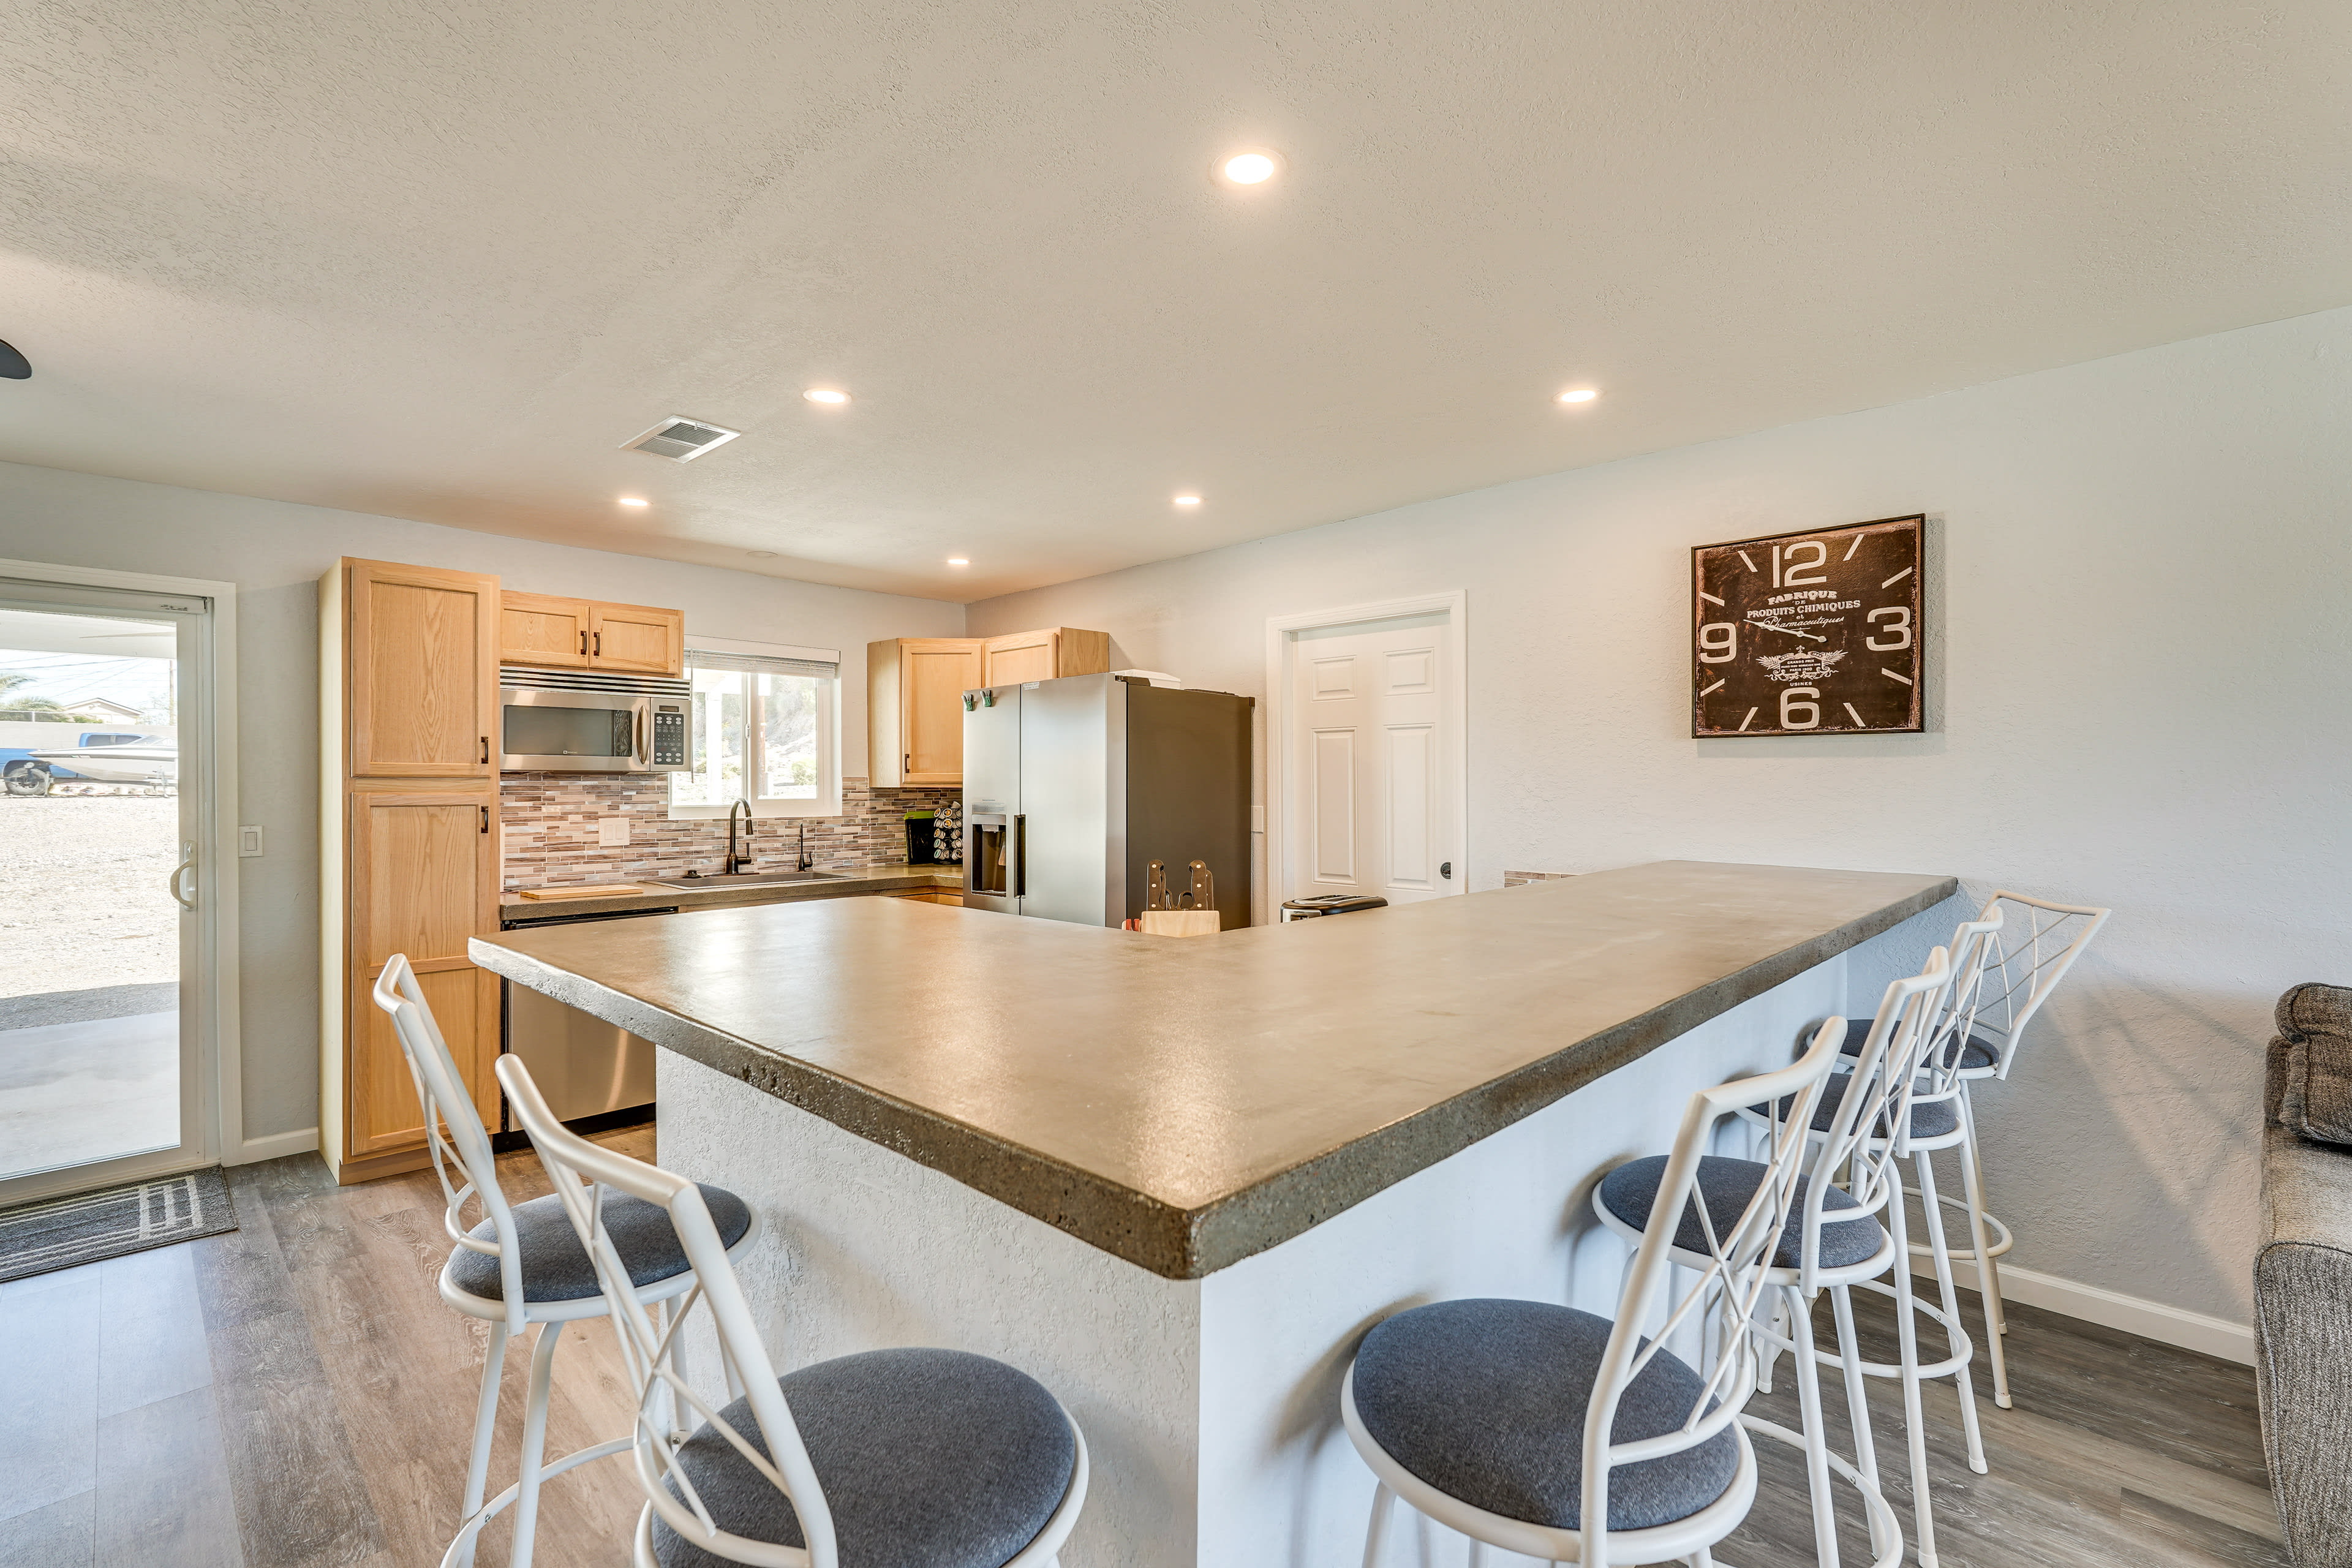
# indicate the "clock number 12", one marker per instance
pixel 1786 565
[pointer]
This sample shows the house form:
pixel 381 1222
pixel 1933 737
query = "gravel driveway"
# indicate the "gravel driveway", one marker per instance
pixel 82 897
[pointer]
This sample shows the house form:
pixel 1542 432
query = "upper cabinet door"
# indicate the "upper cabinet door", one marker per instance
pixel 1022 655
pixel 544 631
pixel 936 673
pixel 635 637
pixel 422 668
pixel 1045 655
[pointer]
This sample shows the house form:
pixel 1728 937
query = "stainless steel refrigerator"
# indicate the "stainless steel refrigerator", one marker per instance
pixel 1073 787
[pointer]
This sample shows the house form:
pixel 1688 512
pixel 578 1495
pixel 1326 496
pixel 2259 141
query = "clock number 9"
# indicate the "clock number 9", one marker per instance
pixel 1790 708
pixel 1719 642
pixel 1900 630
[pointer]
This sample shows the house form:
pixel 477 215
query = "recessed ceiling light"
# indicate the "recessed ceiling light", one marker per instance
pixel 1188 500
pixel 1580 394
pixel 761 555
pixel 958 560
pixel 1254 167
pixel 825 395
pixel 635 500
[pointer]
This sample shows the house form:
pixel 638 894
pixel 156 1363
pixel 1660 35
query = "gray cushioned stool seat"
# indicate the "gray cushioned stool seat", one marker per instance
pixel 1485 1400
pixel 555 1267
pixel 929 1458
pixel 1725 1186
pixel 1931 1118
pixel 1976 1052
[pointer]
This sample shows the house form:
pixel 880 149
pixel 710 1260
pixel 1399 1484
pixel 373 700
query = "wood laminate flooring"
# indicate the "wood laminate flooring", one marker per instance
pixel 295 1395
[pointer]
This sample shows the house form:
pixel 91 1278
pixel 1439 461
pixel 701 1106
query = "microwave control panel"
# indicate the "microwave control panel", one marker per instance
pixel 669 735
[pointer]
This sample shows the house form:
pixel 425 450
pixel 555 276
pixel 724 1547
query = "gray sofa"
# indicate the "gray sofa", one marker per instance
pixel 2303 1275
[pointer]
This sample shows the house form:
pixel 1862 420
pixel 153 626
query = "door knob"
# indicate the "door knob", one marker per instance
pixel 1446 870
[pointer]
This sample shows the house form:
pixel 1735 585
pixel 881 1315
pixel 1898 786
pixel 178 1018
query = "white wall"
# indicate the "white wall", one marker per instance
pixel 275 552
pixel 2142 633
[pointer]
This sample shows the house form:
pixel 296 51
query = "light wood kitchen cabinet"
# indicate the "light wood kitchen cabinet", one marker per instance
pixel 915 687
pixel 408 858
pixel 419 677
pixel 422 878
pixel 636 639
pixel 1042 655
pixel 544 631
pixel 913 693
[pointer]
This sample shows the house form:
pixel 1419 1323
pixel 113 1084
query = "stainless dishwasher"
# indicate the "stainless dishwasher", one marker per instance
pixel 585 1067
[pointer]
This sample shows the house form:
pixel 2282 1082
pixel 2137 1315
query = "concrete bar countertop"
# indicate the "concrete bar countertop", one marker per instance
pixel 848 882
pixel 1185 1103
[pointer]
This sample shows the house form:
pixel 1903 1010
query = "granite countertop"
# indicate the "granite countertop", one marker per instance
pixel 1186 1103
pixel 849 882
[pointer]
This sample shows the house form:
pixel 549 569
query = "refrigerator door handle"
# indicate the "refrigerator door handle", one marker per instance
pixel 1020 856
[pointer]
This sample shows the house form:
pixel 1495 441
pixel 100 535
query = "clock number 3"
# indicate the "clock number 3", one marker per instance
pixel 1898 630
pixel 1719 642
pixel 1786 566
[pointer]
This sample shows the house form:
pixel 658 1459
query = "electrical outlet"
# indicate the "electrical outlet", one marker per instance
pixel 611 831
pixel 248 843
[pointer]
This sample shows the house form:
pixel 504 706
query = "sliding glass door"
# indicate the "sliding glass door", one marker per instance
pixel 103 798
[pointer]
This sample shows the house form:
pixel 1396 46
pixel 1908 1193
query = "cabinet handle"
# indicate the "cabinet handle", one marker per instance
pixel 584 645
pixel 600 644
pixel 485 818
pixel 485 748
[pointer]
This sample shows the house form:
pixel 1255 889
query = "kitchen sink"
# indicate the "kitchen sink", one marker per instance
pixel 749 879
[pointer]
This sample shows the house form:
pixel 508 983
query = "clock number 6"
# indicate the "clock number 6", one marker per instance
pixel 1719 642
pixel 1900 630
pixel 1790 708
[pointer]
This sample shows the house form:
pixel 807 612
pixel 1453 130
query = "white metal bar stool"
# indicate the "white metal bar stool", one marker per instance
pixel 2035 943
pixel 522 1266
pixel 1833 1243
pixel 930 1456
pixel 1574 1438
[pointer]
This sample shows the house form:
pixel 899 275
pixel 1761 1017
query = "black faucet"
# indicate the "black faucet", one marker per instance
pixel 806 864
pixel 737 862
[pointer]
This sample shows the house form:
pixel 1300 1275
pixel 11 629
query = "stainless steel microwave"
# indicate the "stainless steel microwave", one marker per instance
pixel 552 722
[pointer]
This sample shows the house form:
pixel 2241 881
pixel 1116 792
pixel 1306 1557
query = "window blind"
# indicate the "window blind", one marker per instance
pixel 758 664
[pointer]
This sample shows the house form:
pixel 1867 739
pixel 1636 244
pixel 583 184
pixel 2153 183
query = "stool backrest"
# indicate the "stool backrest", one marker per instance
pixel 1727 1295
pixel 454 1133
pixel 1868 1139
pixel 585 1173
pixel 2039 942
pixel 1943 1059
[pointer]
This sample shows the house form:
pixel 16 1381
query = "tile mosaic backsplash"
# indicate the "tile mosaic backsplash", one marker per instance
pixel 555 834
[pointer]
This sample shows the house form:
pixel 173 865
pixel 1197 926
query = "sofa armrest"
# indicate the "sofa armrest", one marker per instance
pixel 2303 1328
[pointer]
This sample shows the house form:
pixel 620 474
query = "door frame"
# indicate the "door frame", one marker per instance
pixel 208 705
pixel 1281 652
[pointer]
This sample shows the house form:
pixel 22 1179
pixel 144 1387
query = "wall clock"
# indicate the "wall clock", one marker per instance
pixel 1804 634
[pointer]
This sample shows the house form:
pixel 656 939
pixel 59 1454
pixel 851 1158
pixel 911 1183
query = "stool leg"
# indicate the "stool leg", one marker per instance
pixel 1858 1399
pixel 1988 1277
pixel 1376 1533
pixel 1817 1437
pixel 1914 1421
pixel 1932 1209
pixel 485 1422
pixel 534 1442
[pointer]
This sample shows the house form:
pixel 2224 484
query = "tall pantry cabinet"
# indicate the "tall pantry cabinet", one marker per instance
pixel 408 816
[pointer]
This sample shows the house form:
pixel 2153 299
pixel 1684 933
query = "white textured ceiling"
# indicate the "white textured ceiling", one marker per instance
pixel 437 259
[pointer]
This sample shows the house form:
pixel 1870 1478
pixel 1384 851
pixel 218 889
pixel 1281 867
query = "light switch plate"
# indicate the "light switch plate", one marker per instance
pixel 611 831
pixel 248 843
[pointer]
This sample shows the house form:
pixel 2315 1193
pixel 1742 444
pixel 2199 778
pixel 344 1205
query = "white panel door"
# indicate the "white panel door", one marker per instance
pixel 1368 729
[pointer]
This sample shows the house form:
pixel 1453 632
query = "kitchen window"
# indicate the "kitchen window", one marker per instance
pixel 766 729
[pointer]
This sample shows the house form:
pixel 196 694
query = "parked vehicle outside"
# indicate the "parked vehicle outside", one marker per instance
pixel 35 754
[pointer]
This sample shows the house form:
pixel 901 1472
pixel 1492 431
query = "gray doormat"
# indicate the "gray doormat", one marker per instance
pixel 63 1233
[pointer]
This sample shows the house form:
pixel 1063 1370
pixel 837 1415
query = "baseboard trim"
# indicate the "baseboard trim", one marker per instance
pixel 276 1146
pixel 2111 1310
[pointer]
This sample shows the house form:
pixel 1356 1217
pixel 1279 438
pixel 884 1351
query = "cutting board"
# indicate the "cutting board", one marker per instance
pixel 1181 922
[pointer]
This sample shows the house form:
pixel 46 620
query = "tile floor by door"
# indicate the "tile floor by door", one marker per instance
pixel 295 1395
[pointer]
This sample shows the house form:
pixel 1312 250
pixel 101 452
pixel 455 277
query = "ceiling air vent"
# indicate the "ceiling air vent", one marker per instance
pixel 681 439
